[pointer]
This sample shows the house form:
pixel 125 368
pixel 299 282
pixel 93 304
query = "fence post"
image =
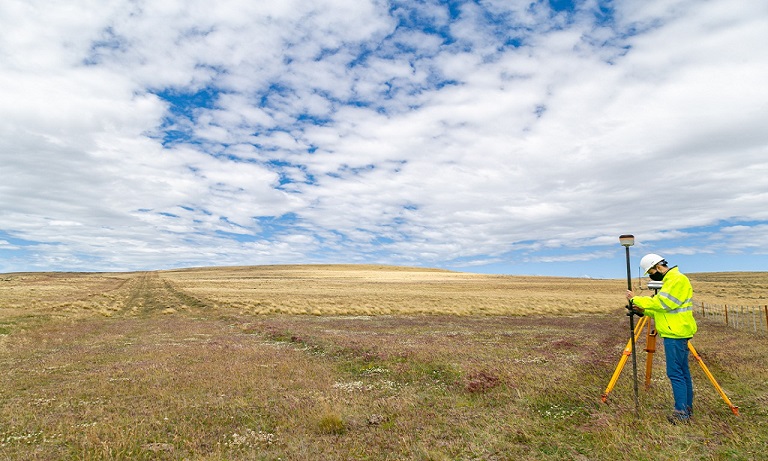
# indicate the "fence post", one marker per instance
pixel 726 315
pixel 766 318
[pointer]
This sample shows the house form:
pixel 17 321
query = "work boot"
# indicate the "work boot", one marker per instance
pixel 678 418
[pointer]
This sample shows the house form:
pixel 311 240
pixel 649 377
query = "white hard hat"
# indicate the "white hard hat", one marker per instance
pixel 649 261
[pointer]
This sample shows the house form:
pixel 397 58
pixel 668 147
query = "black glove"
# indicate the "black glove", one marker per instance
pixel 631 308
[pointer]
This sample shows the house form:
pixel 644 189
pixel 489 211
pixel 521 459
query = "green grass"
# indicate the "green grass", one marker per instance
pixel 137 368
pixel 214 388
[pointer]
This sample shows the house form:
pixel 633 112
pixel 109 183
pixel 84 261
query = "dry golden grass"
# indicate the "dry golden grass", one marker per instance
pixel 740 288
pixel 209 386
pixel 377 290
pixel 342 290
pixel 40 291
pixel 213 364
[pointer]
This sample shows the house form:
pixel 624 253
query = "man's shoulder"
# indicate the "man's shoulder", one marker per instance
pixel 674 276
pixel 675 272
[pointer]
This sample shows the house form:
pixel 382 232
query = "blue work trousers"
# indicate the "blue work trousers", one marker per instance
pixel 679 374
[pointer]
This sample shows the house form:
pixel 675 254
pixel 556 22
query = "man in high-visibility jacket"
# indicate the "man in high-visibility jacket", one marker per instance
pixel 672 310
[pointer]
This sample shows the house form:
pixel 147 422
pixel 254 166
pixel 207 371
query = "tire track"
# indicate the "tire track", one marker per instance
pixel 149 294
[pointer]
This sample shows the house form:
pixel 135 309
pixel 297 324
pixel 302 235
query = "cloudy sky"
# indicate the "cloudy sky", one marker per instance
pixel 499 136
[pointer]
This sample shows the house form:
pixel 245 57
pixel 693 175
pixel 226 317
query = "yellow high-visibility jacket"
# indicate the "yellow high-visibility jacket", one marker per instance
pixel 672 307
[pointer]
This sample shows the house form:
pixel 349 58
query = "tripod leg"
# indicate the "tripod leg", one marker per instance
pixel 650 348
pixel 623 360
pixel 696 355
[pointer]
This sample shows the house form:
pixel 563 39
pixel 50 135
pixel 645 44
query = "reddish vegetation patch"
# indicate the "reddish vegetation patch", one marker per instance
pixel 481 381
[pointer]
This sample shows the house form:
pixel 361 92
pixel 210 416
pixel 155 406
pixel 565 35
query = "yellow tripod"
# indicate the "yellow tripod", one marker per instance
pixel 650 349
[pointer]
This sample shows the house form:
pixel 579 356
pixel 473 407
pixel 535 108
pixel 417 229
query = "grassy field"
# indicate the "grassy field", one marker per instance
pixel 357 362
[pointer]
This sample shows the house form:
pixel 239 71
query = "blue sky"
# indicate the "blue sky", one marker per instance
pixel 495 136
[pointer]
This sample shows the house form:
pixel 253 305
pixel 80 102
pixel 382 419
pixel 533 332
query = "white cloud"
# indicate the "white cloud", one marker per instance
pixel 380 139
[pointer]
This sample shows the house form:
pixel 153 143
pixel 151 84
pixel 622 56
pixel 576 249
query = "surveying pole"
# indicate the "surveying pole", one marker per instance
pixel 627 241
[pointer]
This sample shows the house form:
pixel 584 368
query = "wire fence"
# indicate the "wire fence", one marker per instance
pixel 750 318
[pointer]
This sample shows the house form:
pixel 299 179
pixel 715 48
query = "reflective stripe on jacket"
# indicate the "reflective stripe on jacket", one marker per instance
pixel 672 307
